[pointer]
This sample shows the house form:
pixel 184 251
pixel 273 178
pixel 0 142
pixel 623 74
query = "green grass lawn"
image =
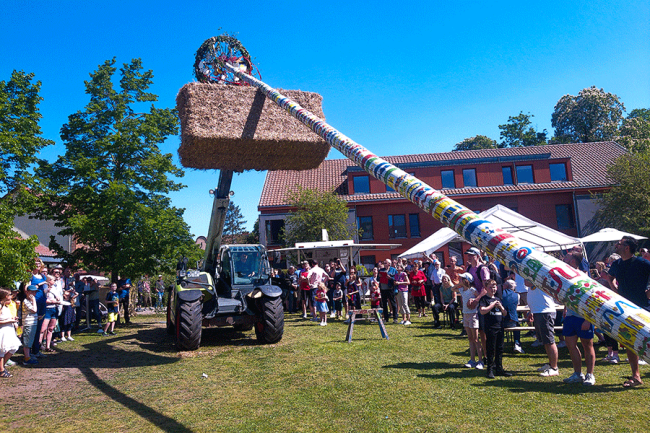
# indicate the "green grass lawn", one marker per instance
pixel 311 381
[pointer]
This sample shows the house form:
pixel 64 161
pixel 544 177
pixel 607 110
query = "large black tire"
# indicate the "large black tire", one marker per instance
pixel 188 325
pixel 270 328
pixel 170 326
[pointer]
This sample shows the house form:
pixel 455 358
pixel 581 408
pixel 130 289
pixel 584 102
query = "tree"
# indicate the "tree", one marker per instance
pixel 254 236
pixel 635 131
pixel 475 143
pixel 315 210
pixel 517 132
pixel 593 115
pixel 20 142
pixel 108 189
pixel 233 227
pixel 627 204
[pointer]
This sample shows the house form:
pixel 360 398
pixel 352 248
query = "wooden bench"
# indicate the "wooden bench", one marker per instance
pixel 373 312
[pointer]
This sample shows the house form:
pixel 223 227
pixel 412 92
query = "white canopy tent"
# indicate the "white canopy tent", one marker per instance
pixel 600 244
pixel 533 233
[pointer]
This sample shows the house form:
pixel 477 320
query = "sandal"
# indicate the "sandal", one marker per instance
pixel 632 383
pixel 5 373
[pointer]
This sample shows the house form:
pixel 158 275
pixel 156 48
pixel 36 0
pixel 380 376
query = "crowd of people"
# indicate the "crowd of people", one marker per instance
pixel 482 299
pixel 46 310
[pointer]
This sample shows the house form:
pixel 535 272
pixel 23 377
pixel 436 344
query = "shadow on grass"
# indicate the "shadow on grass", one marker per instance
pixel 517 386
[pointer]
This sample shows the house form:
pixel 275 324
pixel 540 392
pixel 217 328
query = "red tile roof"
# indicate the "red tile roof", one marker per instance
pixel 589 163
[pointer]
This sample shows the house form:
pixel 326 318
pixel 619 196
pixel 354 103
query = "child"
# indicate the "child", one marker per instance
pixel 351 293
pixel 469 295
pixel 337 297
pixel 321 303
pixel 30 323
pixel 112 304
pixel 9 342
pixel 375 294
pixel 495 316
pixel 402 283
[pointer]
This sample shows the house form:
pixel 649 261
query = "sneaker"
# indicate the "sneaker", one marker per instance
pixel 590 379
pixel 537 343
pixel 518 349
pixel 543 368
pixel 304 316
pixel 333 315
pixel 10 363
pixel 490 374
pixel 642 362
pixel 31 361
pixel 407 323
pixel 323 324
pixel 479 366
pixel 561 345
pixel 614 359
pixel 315 319
pixel 575 378
pixel 470 364
pixel 70 339
pixel 607 358
pixel 64 339
pixel 395 321
pixel 402 322
pixel 40 355
pixel 100 331
pixel 550 372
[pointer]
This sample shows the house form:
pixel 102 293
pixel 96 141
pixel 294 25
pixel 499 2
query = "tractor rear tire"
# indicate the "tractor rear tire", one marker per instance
pixel 270 328
pixel 188 325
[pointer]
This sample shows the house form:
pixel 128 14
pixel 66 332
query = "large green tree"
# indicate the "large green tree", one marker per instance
pixel 627 204
pixel 592 115
pixel 233 227
pixel 20 143
pixel 635 131
pixel 315 210
pixel 475 143
pixel 517 132
pixel 109 188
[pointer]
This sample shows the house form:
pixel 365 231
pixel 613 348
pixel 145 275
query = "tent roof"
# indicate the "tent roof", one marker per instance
pixel 609 235
pixel 528 231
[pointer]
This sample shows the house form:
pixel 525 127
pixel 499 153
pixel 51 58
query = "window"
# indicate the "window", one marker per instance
pixel 361 184
pixel 558 172
pixel 364 223
pixel 447 177
pixel 456 250
pixel 469 177
pixel 525 174
pixel 507 175
pixel 564 215
pixel 273 229
pixel 396 226
pixel 414 225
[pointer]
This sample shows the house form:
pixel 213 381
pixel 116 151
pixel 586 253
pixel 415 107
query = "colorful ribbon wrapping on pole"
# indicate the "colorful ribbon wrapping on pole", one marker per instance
pixel 620 318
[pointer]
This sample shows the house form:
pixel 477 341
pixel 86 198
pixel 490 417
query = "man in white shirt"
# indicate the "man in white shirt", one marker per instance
pixel 542 314
pixel 315 276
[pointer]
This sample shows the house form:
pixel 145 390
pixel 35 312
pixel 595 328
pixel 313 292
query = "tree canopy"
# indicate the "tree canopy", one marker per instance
pixel 475 143
pixel 108 189
pixel 592 115
pixel 315 210
pixel 635 131
pixel 20 142
pixel 517 132
pixel 627 204
pixel 233 227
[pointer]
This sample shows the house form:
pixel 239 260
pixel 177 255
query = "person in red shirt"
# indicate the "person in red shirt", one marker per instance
pixel 304 288
pixel 418 279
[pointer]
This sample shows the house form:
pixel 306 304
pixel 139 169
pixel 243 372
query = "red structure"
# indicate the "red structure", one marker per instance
pixel 553 184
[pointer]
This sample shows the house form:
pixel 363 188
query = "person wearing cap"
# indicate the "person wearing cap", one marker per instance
pixel 30 323
pixel 470 319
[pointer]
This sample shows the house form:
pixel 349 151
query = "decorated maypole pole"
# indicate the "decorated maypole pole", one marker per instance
pixel 620 318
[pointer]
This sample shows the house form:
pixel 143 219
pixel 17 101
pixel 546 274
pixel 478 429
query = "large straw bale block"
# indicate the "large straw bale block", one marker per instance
pixel 238 128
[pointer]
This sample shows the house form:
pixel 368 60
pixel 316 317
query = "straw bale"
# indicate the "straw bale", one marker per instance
pixel 238 128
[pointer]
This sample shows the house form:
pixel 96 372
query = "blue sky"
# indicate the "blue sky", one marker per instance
pixel 397 77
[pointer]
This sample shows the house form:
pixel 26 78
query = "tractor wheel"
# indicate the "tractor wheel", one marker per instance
pixel 170 326
pixel 188 325
pixel 271 326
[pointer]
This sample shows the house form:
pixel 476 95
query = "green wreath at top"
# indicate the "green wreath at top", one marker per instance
pixel 214 53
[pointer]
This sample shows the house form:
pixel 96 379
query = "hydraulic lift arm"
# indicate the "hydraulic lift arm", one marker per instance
pixel 217 221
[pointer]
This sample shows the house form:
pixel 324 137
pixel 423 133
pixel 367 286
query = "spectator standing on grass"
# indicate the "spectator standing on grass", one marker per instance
pixel 68 313
pixel 321 303
pixel 542 315
pixel 337 296
pixel 316 276
pixel 304 288
pixel 124 287
pixel 630 277
pixel 113 306
pixel 418 279
pixel 402 282
pixel 469 295
pixel 611 344
pixel 510 300
pixel 52 301
pixel 495 314
pixel 481 273
pixel 386 274
pixel 146 293
pixel 91 290
pixel 160 291
pixel 292 285
pixel 351 293
pixel 9 342
pixel 30 323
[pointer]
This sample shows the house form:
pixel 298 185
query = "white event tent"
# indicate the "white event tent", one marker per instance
pixel 528 231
